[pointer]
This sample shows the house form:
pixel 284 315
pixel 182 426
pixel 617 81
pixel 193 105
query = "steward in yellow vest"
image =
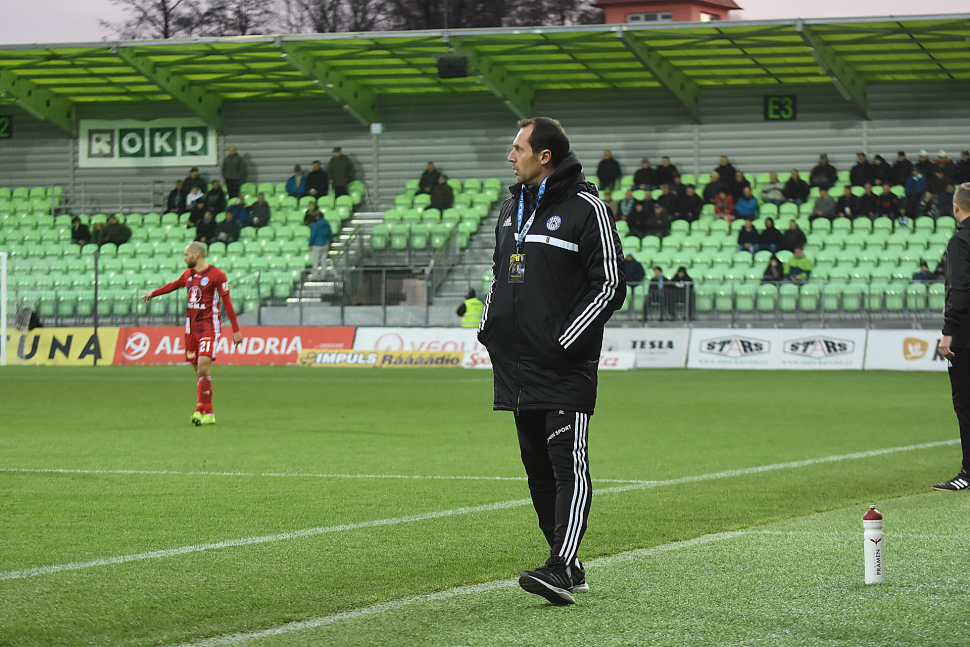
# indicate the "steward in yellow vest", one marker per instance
pixel 470 311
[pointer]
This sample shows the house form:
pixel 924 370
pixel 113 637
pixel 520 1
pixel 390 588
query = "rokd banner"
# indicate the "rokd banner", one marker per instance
pixel 61 346
pixel 127 143
pixel 652 347
pixel 774 349
pixel 904 350
pixel 260 345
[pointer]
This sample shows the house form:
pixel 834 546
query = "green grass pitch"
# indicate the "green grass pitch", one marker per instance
pixel 388 507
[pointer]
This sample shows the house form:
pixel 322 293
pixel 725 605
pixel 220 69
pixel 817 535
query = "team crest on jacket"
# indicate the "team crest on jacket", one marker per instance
pixel 553 223
pixel 205 280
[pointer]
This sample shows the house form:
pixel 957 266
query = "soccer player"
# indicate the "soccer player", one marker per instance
pixel 205 286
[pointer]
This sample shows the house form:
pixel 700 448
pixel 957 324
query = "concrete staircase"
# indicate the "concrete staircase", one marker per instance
pixel 475 260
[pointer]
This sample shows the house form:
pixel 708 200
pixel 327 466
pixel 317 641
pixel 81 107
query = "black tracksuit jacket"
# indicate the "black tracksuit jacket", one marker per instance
pixel 956 313
pixel 544 335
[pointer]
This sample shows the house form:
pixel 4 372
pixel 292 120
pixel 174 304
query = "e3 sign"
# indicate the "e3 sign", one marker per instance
pixel 784 108
pixel 158 143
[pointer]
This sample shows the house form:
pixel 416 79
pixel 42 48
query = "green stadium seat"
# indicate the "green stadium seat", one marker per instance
pixel 650 242
pixel 936 294
pixel 916 297
pixel 704 294
pixel 894 296
pixel 946 224
pixel 809 296
pixel 399 234
pixel 853 296
pixel 431 216
pixel 630 244
pixel 680 226
pixel 767 297
pixel 742 259
pixel 745 295
pixel 420 235
pixel 879 224
pixel 925 223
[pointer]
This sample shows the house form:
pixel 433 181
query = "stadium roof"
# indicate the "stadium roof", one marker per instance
pixel 354 69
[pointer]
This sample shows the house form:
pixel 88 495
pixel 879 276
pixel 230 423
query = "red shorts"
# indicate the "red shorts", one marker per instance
pixel 200 346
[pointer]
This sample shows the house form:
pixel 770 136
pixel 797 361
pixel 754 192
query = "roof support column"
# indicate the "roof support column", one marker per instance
pixel 40 102
pixel 684 89
pixel 849 83
pixel 355 98
pixel 208 106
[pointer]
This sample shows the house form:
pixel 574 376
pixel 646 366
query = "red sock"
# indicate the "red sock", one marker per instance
pixel 198 398
pixel 205 394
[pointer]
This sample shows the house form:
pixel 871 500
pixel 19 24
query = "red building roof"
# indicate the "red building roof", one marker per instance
pixel 726 4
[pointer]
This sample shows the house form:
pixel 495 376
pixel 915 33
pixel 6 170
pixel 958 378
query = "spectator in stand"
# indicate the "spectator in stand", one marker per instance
pixel 747 206
pixel 233 171
pixel 341 172
pixel 771 239
pixel 174 204
pixel 228 230
pixel 713 188
pixel 748 238
pixel 723 205
pixel 924 275
pixel 667 199
pixel 656 293
pixel 740 184
pixel 945 203
pixel 796 189
pixel 925 166
pixel 429 179
pixel 793 237
pixel 774 273
pixel 80 234
pixel 240 214
pixel 259 212
pixel 940 271
pixel 644 178
pixel 825 206
pixel 312 213
pixel 927 205
pixel 680 290
pixel 916 184
pixel 798 269
pixel 824 175
pixel 848 204
pixel 608 171
pixel 195 203
pixel 626 205
pixel 902 169
pixel 689 205
pixel 320 236
pixel 862 173
pixel 208 229
pixel 296 183
pixel 962 169
pixel 887 204
pixel 664 174
pixel 115 232
pixel 882 173
pixel 96 230
pixel 614 206
pixel 658 221
pixel 193 181
pixel 867 203
pixel 638 220
pixel 728 174
pixel 442 195
pixel 317 182
pixel 774 191
pixel 937 184
pixel 634 272
pixel 944 164
pixel 678 187
pixel 215 199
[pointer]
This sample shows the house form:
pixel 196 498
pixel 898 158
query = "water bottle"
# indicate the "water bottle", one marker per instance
pixel 874 546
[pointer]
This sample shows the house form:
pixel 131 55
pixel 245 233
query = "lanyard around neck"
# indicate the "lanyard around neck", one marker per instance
pixel 522 231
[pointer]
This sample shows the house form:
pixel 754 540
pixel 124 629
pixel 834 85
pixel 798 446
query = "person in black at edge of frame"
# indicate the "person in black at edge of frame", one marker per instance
pixel 558 276
pixel 955 345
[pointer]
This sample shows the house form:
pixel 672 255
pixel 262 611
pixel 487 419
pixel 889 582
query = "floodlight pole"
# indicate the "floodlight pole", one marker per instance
pixel 3 308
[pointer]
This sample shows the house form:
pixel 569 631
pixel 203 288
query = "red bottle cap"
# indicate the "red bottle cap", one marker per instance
pixel 872 514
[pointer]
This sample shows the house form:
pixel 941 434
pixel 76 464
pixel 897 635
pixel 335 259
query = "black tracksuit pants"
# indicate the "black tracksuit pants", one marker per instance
pixel 960 386
pixel 554 451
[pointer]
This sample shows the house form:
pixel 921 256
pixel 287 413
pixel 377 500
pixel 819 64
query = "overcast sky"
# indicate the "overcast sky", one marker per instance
pixel 72 21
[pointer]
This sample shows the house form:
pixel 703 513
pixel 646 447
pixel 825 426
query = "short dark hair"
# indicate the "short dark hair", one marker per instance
pixel 547 134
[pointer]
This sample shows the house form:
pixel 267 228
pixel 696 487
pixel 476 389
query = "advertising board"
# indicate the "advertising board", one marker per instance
pixel 652 347
pixel 61 346
pixel 777 349
pixel 904 350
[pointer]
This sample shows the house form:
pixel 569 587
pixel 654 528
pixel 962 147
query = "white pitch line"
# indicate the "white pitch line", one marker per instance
pixel 383 607
pixel 502 505
pixel 23 470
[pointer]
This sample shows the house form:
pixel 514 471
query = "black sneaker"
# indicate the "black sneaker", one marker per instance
pixel 959 482
pixel 553 581
pixel 579 578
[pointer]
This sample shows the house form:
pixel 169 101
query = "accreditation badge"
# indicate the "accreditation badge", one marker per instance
pixel 517 268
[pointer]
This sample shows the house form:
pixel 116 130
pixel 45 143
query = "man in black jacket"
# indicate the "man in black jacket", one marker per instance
pixel 558 275
pixel 955 345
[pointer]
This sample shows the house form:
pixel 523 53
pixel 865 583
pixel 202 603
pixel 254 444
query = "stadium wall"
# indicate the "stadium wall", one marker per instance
pixel 468 135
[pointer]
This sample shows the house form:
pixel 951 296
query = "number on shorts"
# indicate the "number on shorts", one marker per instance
pixel 205 346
